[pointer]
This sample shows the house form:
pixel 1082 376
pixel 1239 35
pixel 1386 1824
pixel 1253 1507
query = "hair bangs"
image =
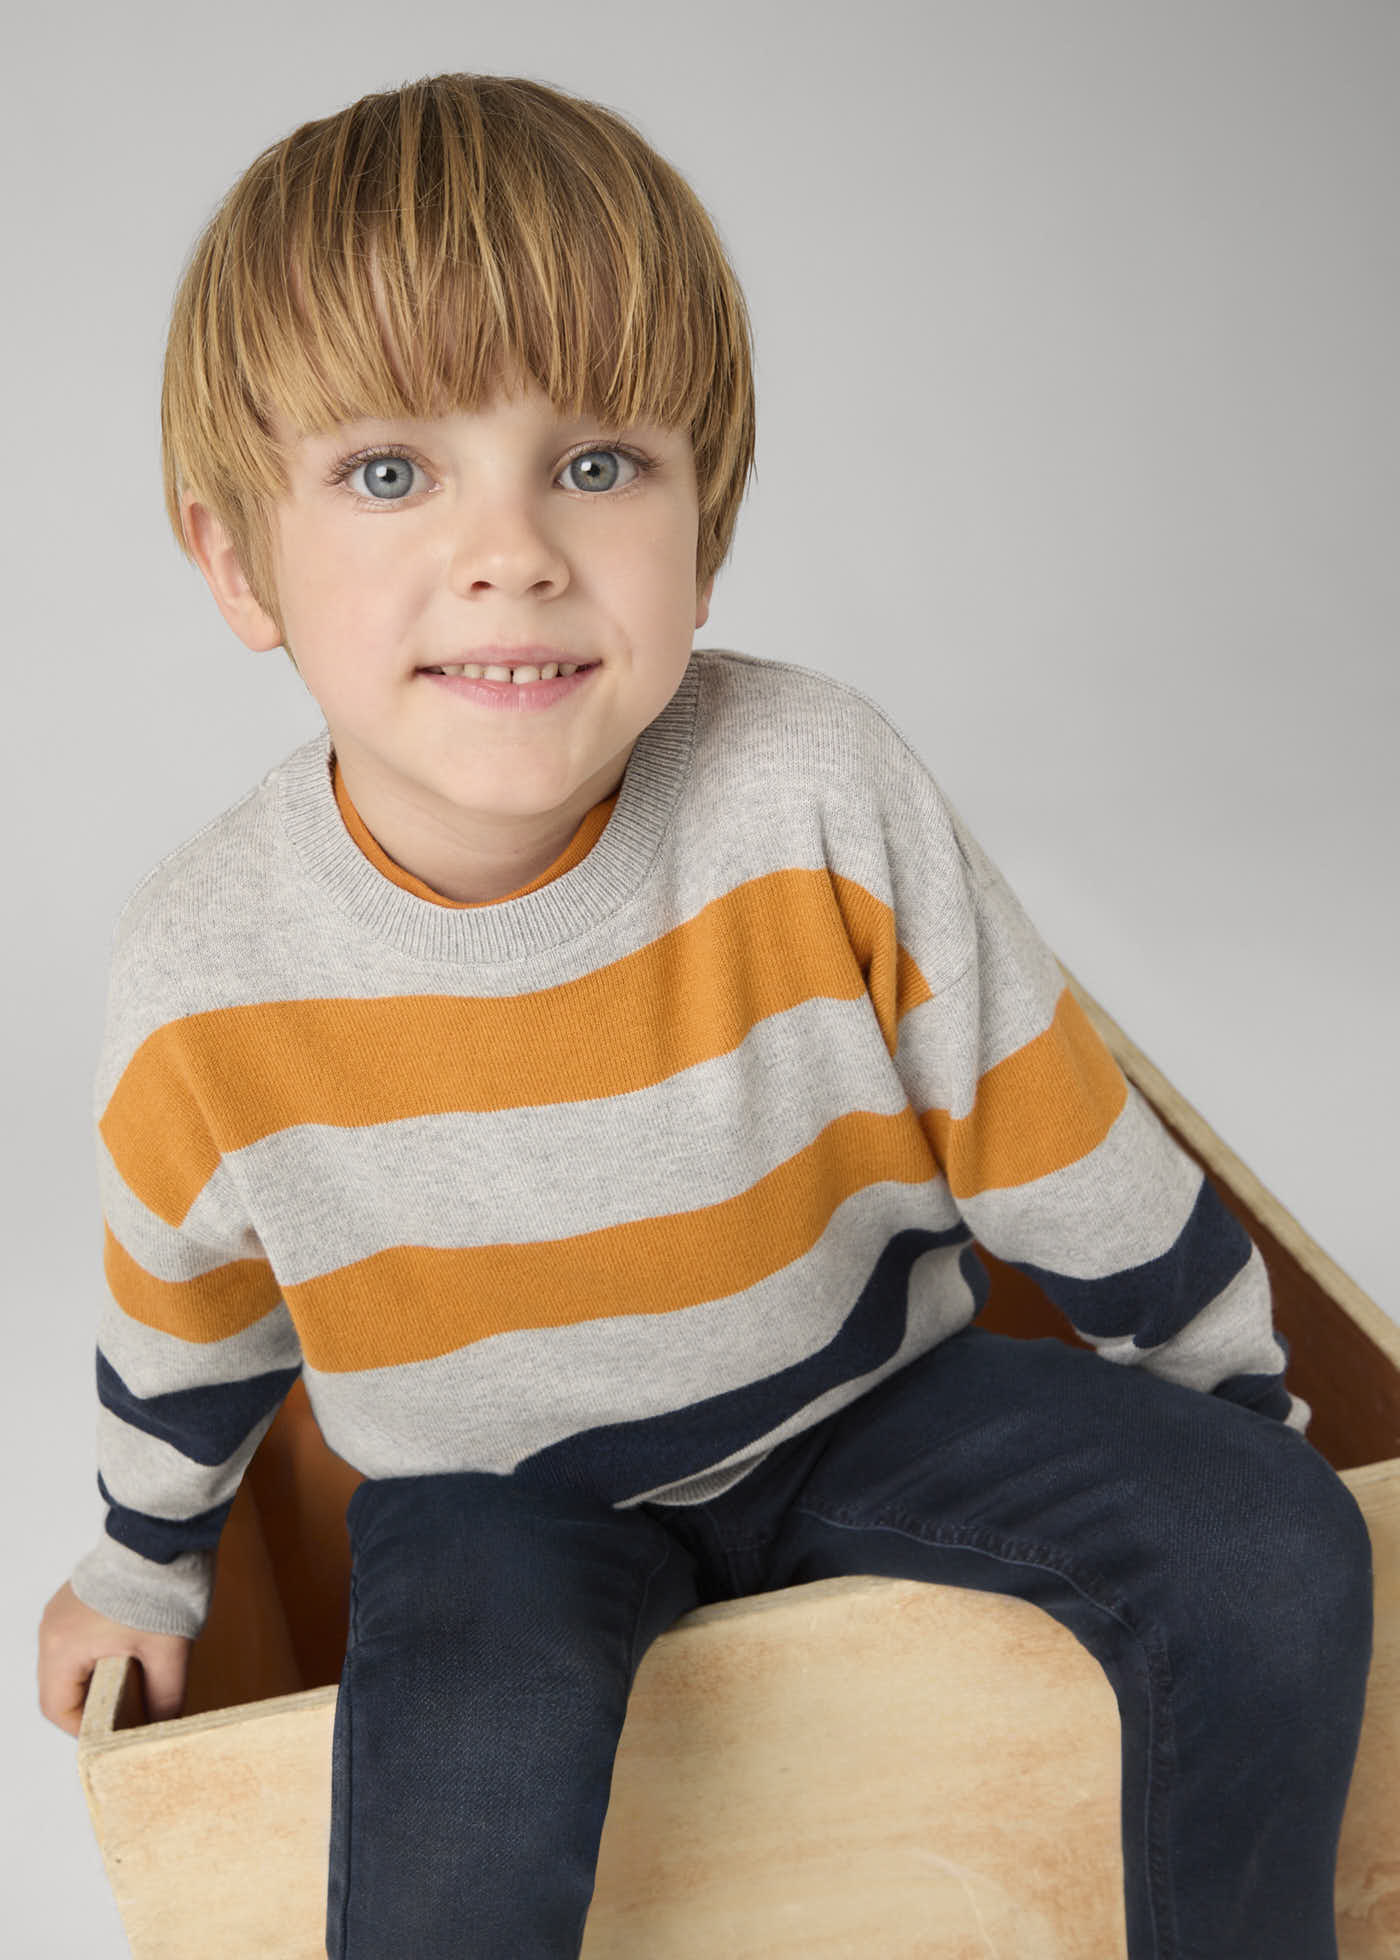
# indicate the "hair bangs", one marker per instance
pixel 425 248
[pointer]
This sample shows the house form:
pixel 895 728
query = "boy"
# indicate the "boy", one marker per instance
pixel 589 1064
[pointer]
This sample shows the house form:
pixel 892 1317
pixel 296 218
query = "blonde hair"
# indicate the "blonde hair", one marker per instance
pixel 398 257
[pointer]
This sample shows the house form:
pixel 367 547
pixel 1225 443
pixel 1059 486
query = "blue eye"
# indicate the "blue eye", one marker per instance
pixel 602 467
pixel 386 478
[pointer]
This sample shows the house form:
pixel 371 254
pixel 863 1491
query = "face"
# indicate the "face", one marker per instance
pixel 503 538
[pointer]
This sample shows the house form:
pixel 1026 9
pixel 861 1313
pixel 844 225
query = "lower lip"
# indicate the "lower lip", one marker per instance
pixel 507 695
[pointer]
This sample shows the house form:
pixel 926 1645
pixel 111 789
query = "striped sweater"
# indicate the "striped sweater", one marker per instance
pixel 621 1180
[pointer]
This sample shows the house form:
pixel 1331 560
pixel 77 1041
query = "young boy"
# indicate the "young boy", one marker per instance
pixel 589 1065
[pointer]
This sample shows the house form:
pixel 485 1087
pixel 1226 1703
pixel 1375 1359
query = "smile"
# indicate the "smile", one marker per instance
pixel 517 676
pixel 502 687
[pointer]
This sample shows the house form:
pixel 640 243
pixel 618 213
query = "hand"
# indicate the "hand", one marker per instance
pixel 73 1639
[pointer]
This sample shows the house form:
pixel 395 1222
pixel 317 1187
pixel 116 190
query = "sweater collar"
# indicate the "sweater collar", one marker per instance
pixel 528 922
pixel 577 848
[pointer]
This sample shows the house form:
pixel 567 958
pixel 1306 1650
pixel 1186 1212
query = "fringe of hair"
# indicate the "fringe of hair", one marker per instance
pixel 395 259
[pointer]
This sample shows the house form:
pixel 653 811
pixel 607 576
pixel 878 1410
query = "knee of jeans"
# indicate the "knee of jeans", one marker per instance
pixel 1302 1572
pixel 1337 1548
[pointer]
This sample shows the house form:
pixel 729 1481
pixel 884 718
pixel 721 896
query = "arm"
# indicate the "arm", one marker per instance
pixel 1058 1165
pixel 1062 1169
pixel 195 1348
pixel 195 1354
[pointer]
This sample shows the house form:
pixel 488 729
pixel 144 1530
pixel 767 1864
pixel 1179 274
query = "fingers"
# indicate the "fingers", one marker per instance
pixel 164 1668
pixel 63 1686
pixel 73 1638
pixel 70 1641
pixel 62 1699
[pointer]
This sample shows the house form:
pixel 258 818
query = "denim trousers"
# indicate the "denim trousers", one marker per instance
pixel 1210 1559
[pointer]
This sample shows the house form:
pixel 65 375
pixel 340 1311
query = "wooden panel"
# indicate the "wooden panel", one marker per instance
pixel 855 1767
pixel 246 1651
pixel 302 1490
pixel 280 1610
pixel 215 1829
pixel 863 1767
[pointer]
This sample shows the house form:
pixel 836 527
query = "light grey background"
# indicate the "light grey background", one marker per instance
pixel 1078 438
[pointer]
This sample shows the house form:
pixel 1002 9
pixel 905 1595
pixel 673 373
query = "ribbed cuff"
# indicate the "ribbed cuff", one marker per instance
pixel 138 1592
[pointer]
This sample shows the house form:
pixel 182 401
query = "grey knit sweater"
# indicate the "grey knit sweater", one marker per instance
pixel 620 1181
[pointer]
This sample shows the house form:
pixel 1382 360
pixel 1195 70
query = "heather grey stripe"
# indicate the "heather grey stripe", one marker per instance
pixel 490 1404
pixel 212 1235
pixel 324 1196
pixel 154 1363
pixel 172 1598
pixel 948 1043
pixel 1232 1336
pixel 144 1474
pixel 1127 1202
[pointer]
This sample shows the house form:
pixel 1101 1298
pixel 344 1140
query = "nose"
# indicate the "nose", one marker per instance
pixel 502 543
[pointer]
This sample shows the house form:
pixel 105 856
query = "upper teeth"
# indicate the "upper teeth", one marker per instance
pixel 519 675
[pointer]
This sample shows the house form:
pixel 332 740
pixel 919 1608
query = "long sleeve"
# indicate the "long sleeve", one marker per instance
pixel 1058 1165
pixel 195 1348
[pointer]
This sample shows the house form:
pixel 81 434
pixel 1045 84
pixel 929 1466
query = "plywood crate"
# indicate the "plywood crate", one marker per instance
pixel 856 1767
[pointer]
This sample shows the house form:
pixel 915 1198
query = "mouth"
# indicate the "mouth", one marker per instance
pixel 523 674
pixel 508 685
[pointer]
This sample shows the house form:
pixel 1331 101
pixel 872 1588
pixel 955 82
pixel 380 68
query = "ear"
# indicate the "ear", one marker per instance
pixel 702 603
pixel 215 556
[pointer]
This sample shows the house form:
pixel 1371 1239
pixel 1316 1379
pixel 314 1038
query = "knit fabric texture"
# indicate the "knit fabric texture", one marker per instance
pixel 620 1181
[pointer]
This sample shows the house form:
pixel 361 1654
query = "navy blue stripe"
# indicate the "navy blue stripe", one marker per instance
pixel 163 1539
pixel 1265 1394
pixel 205 1424
pixel 617 1460
pixel 1156 1300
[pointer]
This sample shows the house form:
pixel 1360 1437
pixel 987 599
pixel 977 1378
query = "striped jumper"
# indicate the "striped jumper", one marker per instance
pixel 620 1180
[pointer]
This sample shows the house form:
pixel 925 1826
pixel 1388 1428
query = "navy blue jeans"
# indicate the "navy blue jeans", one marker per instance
pixel 1211 1560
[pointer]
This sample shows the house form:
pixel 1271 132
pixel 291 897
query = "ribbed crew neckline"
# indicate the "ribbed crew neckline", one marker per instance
pixel 590 829
pixel 516 927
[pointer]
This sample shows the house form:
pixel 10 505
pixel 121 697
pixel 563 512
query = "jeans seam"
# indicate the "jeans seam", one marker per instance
pixel 346 1783
pixel 632 1662
pixel 720 1548
pixel 667 1548
pixel 1160 1753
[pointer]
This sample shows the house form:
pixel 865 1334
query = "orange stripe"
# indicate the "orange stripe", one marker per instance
pixel 1045 1107
pixel 219 1303
pixel 360 1316
pixel 213 1083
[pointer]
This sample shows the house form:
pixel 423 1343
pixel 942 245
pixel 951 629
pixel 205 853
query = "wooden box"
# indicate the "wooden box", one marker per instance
pixel 858 1767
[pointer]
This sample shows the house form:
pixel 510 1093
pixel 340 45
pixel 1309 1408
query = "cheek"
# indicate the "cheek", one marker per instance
pixel 661 568
pixel 343 597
